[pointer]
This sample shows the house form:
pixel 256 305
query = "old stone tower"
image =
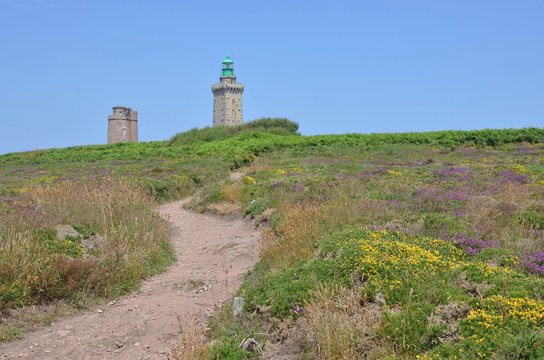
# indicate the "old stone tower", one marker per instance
pixel 123 125
pixel 227 97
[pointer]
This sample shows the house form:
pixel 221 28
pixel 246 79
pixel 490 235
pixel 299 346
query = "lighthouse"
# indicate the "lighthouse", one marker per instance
pixel 227 97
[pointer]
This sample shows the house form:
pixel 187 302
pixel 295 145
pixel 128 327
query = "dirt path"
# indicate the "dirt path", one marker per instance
pixel 213 254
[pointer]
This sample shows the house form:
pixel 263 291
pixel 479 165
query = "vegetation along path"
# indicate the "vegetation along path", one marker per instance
pixel 213 255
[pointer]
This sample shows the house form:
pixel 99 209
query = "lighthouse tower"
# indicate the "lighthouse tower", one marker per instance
pixel 227 97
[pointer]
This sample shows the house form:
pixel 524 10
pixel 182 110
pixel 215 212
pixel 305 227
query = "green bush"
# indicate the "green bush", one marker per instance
pixel 208 134
pixel 274 124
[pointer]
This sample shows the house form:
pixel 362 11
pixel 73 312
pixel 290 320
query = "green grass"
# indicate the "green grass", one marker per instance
pixel 431 220
pixel 209 134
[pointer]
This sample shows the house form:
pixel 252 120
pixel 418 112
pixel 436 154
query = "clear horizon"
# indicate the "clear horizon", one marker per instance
pixel 333 67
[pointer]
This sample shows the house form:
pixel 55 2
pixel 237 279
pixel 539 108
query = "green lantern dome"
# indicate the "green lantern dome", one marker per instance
pixel 228 69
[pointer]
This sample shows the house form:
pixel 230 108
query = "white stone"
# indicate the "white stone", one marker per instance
pixel 238 306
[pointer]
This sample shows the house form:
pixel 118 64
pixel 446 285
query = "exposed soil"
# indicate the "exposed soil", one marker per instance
pixel 213 255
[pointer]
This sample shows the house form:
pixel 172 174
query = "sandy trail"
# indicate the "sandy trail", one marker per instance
pixel 213 255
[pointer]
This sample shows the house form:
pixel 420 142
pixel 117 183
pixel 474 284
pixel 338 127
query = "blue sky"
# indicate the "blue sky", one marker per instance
pixel 333 66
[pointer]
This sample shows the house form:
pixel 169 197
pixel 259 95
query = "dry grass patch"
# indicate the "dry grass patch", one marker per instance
pixel 232 193
pixel 339 325
pixel 497 218
pixel 36 266
pixel 304 223
pixel 191 344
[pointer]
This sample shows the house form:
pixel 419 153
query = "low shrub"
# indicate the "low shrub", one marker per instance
pixel 420 279
pixel 169 188
pixel 276 126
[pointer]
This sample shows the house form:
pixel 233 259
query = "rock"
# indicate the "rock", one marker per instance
pixel 136 344
pixel 238 306
pixel 100 311
pixel 250 345
pixel 380 299
pixel 119 345
pixel 64 231
pixel 94 242
pixel 68 327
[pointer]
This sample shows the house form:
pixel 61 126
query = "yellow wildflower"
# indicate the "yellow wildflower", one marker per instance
pixel 394 172
pixel 248 180
pixel 520 169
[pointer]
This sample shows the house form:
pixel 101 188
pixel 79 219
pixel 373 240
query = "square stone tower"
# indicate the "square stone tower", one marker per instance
pixel 227 97
pixel 123 125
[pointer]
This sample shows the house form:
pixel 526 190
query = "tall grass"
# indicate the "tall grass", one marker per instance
pixel 304 224
pixel 339 328
pixel 191 345
pixel 130 242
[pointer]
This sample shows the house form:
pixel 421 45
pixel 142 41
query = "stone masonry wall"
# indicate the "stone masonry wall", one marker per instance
pixel 227 103
pixel 123 125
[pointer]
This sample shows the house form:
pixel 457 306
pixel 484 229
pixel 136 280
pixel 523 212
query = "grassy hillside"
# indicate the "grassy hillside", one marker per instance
pixel 451 240
pixel 384 245
pixel 398 246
